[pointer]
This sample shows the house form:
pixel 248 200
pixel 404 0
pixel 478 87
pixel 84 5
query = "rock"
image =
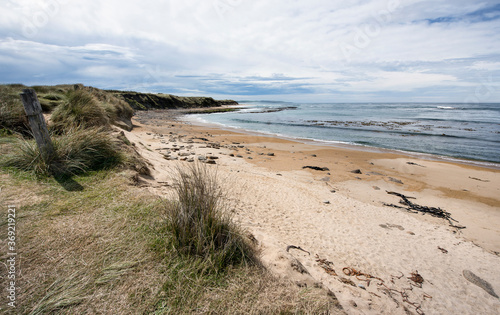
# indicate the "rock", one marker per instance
pixel 250 158
pixel 326 202
pixel 212 157
pixel 376 187
pixel 358 171
pixel 325 179
pixel 210 162
pixel 270 154
pixel 202 158
pixel 239 155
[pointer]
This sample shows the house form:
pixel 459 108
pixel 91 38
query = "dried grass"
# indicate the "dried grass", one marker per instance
pixel 199 225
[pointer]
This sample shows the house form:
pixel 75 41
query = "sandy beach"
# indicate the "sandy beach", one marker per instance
pixel 320 215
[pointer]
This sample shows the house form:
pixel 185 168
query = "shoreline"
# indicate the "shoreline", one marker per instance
pixel 337 212
pixel 351 146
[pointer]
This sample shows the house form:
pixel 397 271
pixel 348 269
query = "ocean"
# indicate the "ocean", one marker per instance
pixel 460 131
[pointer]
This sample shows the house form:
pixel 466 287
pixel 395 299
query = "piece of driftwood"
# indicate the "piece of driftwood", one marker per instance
pixel 37 123
pixel 296 247
pixel 317 168
pixel 415 208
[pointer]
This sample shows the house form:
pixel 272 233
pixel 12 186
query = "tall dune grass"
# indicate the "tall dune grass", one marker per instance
pixel 198 223
pixel 81 110
pixel 76 151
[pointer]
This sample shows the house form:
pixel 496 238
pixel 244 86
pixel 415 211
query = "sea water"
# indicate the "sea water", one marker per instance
pixel 463 131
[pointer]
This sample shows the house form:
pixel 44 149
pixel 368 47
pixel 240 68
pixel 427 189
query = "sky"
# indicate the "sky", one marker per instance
pixel 289 50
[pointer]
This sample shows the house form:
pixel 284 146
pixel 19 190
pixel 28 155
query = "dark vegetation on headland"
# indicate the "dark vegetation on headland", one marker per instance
pixel 144 101
pixel 95 241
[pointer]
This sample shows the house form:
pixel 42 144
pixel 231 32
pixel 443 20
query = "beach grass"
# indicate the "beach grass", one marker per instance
pixel 198 223
pixel 75 152
pixel 81 110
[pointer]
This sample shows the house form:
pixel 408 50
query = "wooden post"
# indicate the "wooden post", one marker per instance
pixel 37 123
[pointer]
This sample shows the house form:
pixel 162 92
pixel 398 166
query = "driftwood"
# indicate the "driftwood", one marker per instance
pixel 296 247
pixel 415 208
pixel 317 168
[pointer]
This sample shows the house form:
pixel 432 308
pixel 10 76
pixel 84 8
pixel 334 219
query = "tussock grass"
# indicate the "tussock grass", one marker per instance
pixel 198 223
pixel 12 115
pixel 81 110
pixel 77 151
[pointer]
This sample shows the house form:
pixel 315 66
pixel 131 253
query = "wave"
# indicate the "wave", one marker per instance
pixel 446 107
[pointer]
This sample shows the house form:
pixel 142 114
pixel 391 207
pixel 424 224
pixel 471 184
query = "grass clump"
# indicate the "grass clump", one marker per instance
pixel 12 115
pixel 89 107
pixel 77 151
pixel 81 110
pixel 198 223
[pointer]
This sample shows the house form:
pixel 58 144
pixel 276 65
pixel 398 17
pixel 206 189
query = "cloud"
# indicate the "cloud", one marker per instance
pixel 318 49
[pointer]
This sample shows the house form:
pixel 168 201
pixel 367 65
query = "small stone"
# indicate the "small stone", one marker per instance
pixel 202 158
pixel 210 162
pixel 376 187
pixel 358 171
pixel 326 202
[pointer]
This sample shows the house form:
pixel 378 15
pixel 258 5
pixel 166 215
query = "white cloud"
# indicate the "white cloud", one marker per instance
pixel 328 46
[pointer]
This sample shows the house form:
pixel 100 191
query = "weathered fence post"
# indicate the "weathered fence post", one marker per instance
pixel 37 123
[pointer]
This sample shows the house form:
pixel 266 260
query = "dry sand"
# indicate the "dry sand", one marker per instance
pixel 340 219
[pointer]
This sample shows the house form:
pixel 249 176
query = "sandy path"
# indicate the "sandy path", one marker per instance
pixel 282 205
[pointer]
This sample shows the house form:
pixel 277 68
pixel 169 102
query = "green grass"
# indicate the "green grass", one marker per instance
pixel 81 110
pixel 77 151
pixel 12 115
pixel 198 223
